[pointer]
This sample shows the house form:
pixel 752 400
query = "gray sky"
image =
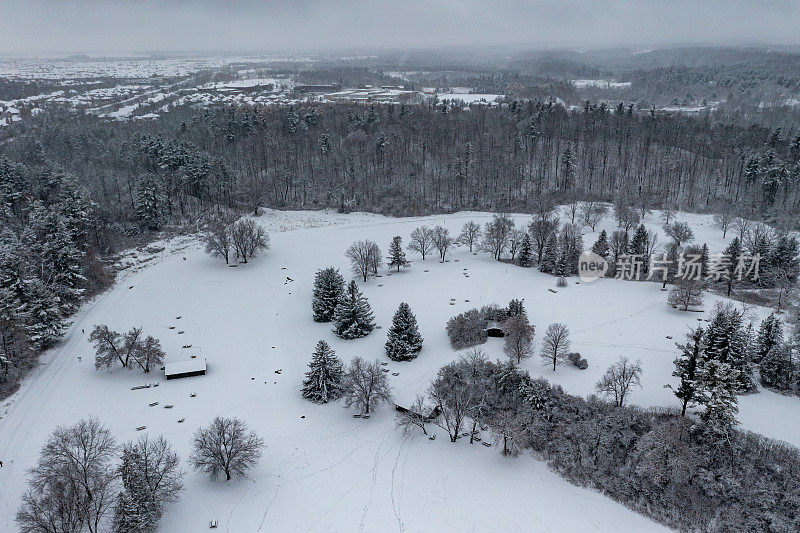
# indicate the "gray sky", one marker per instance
pixel 51 26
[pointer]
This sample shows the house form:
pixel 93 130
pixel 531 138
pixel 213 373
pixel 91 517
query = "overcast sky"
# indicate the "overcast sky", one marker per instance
pixel 85 26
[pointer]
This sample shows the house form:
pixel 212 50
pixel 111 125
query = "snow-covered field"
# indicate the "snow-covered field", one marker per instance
pixel 323 469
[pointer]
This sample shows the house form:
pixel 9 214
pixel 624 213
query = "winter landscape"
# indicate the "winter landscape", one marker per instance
pixel 342 270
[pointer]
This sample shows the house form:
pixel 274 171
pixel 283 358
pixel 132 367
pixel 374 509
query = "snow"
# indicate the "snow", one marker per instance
pixel 327 470
pixel 471 98
pixel 601 84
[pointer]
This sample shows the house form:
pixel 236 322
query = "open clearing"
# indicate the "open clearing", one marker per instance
pixel 328 470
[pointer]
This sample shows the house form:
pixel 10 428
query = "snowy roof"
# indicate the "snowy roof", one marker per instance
pixel 182 367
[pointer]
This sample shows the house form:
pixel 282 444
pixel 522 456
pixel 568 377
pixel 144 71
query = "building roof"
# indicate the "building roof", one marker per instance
pixel 182 367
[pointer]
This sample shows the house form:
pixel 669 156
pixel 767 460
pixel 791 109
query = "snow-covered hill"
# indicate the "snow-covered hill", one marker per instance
pixel 323 469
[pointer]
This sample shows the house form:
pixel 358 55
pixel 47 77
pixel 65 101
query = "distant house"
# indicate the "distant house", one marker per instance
pixel 185 369
pixel 495 329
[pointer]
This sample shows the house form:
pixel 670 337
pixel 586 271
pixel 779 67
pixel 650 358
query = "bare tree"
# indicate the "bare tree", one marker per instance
pixel 414 416
pixel 421 241
pixel 555 344
pixel 680 232
pixel 374 258
pixel 226 446
pixel 496 235
pixel 361 260
pixel 470 234
pixel 365 385
pixel 686 294
pixel 218 240
pixel 442 240
pixel 110 346
pixel 619 378
pixel 742 227
pixel 148 354
pixel 248 239
pixel 151 478
pixel 519 338
pixel 542 228
pixel 668 212
pixel 723 221
pixel 71 487
pixel 454 398
pixel 593 213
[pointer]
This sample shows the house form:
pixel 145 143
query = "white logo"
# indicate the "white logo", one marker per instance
pixel 591 266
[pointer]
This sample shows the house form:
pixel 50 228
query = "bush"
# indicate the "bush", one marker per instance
pixel 467 329
pixel 577 361
pixel 562 282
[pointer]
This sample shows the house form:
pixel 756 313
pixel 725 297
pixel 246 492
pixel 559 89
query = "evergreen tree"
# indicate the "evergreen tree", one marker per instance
pixel 148 203
pixel 725 342
pixel 130 516
pixel 353 317
pixel 525 257
pixel 717 384
pixel 704 260
pixel 515 308
pixel 732 253
pixel 404 341
pixel 778 370
pixel 397 256
pixel 547 263
pixel 600 246
pixel 328 289
pixel 770 334
pixel 686 368
pixel 323 381
pixel 43 322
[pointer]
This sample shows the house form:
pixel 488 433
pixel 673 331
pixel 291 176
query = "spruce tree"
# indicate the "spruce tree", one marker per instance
pixel 725 342
pixel 42 318
pixel 515 308
pixel 525 257
pixel 547 263
pixel 397 256
pixel 600 246
pixel 717 383
pixel 704 260
pixel 770 334
pixel 328 288
pixel 353 317
pixel 686 368
pixel 323 381
pixel 778 369
pixel 404 341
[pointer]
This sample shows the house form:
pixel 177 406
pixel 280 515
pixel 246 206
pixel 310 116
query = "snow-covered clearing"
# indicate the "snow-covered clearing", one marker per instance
pixel 323 469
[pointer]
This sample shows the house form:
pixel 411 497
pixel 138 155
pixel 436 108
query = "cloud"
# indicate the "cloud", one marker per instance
pixel 279 25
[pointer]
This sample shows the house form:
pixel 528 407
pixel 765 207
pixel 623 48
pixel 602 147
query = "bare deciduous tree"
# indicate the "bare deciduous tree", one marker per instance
pixel 362 258
pixel 519 338
pixel 218 240
pixel 248 239
pixel 414 416
pixel 470 234
pixel 496 235
pixel 226 446
pixel 680 232
pixel 421 241
pixel 619 378
pixel 71 487
pixel 442 240
pixel 365 385
pixel 555 344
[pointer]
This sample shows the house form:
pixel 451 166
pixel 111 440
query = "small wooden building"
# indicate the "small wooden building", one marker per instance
pixel 185 369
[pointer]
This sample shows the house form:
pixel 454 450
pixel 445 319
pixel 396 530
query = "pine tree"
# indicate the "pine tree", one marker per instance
pixel 404 341
pixel 353 317
pixel 130 516
pixel 323 381
pixel 547 263
pixel 725 342
pixel 525 257
pixel 778 369
pixel 328 289
pixel 148 203
pixel 600 246
pixel 770 334
pixel 716 387
pixel 515 308
pixel 686 367
pixel 397 256
pixel 43 322
pixel 704 260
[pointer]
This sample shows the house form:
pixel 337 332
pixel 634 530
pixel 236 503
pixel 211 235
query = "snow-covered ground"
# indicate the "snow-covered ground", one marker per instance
pixel 323 469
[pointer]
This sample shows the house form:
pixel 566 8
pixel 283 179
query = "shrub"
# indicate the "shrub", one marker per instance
pixel 577 361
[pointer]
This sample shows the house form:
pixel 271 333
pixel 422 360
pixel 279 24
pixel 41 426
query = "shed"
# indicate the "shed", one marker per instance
pixel 495 329
pixel 185 369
